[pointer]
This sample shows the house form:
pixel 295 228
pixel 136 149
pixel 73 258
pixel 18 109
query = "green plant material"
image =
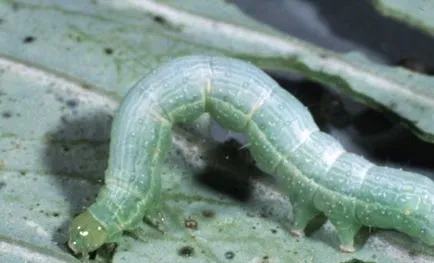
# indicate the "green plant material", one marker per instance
pixel 16 251
pixel 417 13
pixel 64 66
pixel 119 36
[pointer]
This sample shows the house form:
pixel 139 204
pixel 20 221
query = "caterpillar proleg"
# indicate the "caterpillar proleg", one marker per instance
pixel 318 174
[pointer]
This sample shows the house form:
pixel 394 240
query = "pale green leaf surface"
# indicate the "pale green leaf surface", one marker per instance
pixel 417 13
pixel 116 37
pixel 57 97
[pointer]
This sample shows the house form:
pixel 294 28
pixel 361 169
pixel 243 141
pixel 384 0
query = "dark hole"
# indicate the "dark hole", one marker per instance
pixel 66 148
pixel 159 19
pixel 108 50
pixel 229 255
pixel 29 39
pixel 355 260
pixel 186 251
pixel 7 114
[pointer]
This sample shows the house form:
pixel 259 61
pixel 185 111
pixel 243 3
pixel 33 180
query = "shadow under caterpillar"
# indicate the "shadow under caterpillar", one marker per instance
pixel 317 172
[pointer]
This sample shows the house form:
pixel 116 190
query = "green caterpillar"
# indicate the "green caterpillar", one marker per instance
pixel 318 174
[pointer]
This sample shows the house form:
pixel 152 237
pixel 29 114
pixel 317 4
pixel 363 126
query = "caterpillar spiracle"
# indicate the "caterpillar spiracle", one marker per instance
pixel 317 173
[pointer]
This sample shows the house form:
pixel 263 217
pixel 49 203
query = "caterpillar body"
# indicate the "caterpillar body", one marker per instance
pixel 318 174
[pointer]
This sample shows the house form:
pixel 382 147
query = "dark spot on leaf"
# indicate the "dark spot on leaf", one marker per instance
pixel 191 223
pixel 355 260
pixel 55 214
pixel 108 51
pixel 7 114
pixel 229 255
pixel 29 39
pixel 186 251
pixel 208 213
pixel 160 19
pixel 264 259
pixel 66 148
pixel 71 103
pixel 274 231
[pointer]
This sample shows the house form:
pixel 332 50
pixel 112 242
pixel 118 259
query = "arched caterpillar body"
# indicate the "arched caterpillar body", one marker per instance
pixel 318 174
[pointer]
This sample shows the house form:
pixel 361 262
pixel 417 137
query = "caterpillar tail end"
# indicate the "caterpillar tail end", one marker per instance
pixel 347 248
pixel 86 234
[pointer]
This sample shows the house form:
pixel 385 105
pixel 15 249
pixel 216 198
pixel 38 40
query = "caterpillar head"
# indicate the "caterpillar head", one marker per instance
pixel 86 234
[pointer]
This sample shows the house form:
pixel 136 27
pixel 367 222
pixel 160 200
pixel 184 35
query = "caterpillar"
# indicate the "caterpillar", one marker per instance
pixel 317 173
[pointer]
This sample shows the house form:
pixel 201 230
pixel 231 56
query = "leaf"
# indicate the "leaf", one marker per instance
pixel 415 13
pixel 64 67
pixel 117 36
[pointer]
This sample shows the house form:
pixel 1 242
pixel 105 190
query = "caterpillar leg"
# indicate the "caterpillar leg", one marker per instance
pixel 346 231
pixel 303 214
pixel 155 219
